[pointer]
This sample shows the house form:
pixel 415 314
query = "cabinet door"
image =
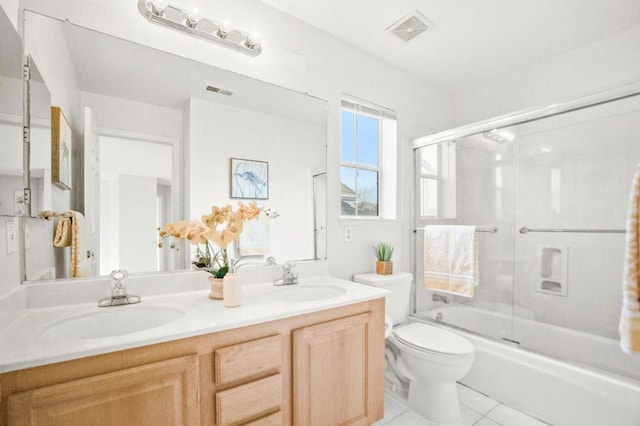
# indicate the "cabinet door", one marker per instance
pixel 161 393
pixel 337 374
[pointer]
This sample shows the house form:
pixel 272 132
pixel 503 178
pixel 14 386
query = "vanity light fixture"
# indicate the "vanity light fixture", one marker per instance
pixel 162 13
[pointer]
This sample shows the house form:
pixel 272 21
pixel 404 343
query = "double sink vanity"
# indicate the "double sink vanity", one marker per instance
pixel 305 354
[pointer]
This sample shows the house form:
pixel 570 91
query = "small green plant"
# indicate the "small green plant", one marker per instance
pixel 383 251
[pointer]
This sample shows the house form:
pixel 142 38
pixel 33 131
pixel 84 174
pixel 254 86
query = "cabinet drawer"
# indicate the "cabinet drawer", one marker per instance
pixel 247 360
pixel 249 401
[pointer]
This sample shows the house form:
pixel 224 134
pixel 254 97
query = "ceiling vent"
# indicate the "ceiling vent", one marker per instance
pixel 411 26
pixel 219 90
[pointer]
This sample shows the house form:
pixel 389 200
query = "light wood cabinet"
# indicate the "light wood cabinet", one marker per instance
pixel 333 364
pixel 253 400
pixel 323 368
pixel 160 393
pixel 247 360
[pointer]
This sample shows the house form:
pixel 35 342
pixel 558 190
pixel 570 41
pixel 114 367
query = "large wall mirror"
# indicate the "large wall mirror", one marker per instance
pixel 153 138
pixel 11 183
pixel 11 119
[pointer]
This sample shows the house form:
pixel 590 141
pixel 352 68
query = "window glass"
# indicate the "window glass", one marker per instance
pixel 348 191
pixel 437 180
pixel 348 133
pixel 428 197
pixel 429 160
pixel 367 194
pixel 368 133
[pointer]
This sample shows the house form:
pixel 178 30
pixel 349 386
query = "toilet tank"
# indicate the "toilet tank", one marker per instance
pixel 396 303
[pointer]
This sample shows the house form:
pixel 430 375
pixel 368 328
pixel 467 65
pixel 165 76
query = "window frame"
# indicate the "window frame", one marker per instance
pixel 434 177
pixel 445 180
pixel 360 107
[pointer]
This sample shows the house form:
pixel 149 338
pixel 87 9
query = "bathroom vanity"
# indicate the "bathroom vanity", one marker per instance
pixel 283 357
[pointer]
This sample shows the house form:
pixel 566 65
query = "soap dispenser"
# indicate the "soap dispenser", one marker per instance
pixel 232 287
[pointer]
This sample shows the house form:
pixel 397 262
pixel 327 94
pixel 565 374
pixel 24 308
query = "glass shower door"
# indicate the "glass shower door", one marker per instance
pixel 573 182
pixel 470 181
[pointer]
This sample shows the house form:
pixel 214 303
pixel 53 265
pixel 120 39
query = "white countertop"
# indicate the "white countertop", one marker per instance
pixel 23 345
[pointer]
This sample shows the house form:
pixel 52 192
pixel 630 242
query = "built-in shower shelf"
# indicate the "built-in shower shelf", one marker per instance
pixel 553 270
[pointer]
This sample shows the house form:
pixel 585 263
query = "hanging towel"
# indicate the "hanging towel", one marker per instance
pixel 71 231
pixel 254 239
pixel 630 317
pixel 451 259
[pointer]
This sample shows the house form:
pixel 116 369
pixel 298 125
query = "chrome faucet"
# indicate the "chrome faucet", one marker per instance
pixel 288 277
pixel 439 298
pixel 119 295
pixel 236 264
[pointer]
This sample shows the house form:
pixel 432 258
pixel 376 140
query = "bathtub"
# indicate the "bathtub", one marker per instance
pixel 595 383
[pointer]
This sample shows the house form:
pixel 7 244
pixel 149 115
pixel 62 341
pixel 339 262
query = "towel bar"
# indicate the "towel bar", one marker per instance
pixel 525 230
pixel 491 229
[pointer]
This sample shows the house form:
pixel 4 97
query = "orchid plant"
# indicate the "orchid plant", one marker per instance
pixel 219 228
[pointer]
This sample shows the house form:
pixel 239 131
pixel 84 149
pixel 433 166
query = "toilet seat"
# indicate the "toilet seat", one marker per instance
pixel 427 338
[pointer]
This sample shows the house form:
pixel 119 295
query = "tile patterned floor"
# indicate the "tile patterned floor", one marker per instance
pixel 476 410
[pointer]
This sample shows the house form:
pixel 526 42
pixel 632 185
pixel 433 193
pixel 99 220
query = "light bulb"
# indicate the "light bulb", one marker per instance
pixel 224 29
pixel 158 6
pixel 192 17
pixel 252 41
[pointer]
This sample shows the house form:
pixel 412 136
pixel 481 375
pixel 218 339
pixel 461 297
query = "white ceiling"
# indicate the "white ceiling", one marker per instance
pixel 473 40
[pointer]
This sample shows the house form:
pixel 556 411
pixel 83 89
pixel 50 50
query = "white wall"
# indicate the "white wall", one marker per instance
pixel 11 95
pixel 138 212
pixel 9 262
pixel 11 137
pixel 219 132
pixel 10 8
pixel 606 63
pixel 136 117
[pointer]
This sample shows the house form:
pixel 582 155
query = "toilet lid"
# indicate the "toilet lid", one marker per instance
pixel 434 339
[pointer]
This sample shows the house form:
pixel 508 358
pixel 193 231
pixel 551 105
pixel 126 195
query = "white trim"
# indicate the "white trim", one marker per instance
pixel 144 137
pixel 15 120
pixel 178 172
pixel 367 221
pixel 524 116
pixel 348 101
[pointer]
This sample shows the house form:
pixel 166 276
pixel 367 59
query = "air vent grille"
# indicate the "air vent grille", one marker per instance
pixel 219 91
pixel 411 26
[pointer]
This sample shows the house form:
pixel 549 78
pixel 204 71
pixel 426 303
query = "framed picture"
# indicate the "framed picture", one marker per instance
pixel 249 179
pixel 60 149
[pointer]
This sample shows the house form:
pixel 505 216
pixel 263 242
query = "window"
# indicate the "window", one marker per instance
pixel 437 180
pixel 368 155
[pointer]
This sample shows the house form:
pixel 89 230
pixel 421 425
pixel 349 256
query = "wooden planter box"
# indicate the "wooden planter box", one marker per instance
pixel 384 268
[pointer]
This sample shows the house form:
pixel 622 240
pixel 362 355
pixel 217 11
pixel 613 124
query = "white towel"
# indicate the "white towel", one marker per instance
pixel 629 326
pixel 254 239
pixel 451 259
pixel 71 231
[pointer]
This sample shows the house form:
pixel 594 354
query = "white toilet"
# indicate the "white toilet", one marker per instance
pixel 431 358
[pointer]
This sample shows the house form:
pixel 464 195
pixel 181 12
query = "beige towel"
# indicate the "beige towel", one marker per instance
pixel 451 259
pixel 71 231
pixel 254 239
pixel 629 326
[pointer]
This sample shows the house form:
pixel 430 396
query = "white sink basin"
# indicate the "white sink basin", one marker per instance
pixel 112 321
pixel 306 293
